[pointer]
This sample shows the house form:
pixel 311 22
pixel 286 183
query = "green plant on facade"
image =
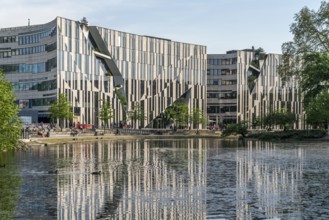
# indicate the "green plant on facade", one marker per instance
pixel 10 125
pixel 123 102
pixel 61 110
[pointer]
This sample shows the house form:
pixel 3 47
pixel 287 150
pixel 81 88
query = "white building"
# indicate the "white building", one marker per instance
pixel 90 64
pixel 244 85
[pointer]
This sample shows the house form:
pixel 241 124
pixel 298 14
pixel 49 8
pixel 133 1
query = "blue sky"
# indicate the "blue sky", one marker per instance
pixel 221 25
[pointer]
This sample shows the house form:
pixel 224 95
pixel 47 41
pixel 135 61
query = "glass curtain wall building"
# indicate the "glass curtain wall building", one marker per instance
pixel 244 85
pixel 91 64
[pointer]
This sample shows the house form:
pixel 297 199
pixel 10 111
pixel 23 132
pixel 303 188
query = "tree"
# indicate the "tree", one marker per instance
pixel 317 111
pixel 311 34
pixel 314 75
pixel 61 110
pixel 136 114
pixel 239 128
pixel 269 120
pixel 280 117
pixel 105 114
pixel 256 122
pixel 284 119
pixel 197 117
pixel 10 125
pixel 178 113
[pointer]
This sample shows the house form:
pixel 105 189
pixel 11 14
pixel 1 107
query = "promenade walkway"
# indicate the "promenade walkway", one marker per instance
pixel 118 134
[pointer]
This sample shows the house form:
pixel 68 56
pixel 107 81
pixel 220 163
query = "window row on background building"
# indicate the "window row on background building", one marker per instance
pixel 30 68
pixel 222 95
pixel 225 61
pixel 8 52
pixel 221 82
pixel 221 109
pixel 8 39
pixel 39 86
pixel 28 39
pixel 221 72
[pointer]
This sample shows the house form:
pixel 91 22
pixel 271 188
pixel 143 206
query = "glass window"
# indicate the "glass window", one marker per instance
pixel 34 68
pixel 41 67
pixel 22 68
pixel 225 61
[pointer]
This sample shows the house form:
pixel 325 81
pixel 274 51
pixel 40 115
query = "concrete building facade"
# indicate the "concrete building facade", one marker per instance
pixel 244 85
pixel 222 88
pixel 91 64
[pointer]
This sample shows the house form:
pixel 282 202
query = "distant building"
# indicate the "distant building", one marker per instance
pixel 90 64
pixel 222 88
pixel 243 85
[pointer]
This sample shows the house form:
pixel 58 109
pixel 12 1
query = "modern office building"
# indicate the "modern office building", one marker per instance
pixel 91 64
pixel 244 85
pixel 222 88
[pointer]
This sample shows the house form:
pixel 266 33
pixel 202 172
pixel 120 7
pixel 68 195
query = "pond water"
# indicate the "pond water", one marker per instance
pixel 167 179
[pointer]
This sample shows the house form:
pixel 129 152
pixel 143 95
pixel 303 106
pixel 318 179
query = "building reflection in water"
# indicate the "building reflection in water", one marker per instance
pixel 139 180
pixel 267 181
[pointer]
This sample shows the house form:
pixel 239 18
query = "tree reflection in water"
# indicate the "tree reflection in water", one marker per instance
pixel 10 181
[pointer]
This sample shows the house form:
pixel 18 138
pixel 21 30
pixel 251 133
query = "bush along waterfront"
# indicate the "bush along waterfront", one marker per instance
pixel 288 135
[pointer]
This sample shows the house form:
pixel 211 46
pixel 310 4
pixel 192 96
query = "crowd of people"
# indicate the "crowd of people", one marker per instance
pixel 39 129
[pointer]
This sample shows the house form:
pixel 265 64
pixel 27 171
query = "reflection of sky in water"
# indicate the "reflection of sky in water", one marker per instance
pixel 175 179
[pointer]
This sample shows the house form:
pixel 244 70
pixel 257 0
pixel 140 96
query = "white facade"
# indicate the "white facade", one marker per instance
pixel 253 85
pixel 91 64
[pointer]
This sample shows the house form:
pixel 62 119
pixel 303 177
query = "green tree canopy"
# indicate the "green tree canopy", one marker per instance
pixel 280 117
pixel 197 117
pixel 239 128
pixel 178 113
pixel 284 119
pixel 61 110
pixel 105 114
pixel 10 125
pixel 269 120
pixel 314 75
pixel 311 34
pixel 317 111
